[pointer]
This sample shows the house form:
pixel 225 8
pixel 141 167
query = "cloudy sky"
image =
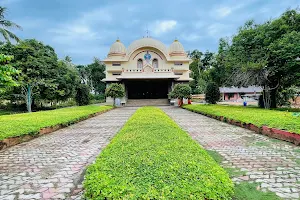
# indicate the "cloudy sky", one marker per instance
pixel 84 29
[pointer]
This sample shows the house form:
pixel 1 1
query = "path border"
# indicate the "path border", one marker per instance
pixel 264 130
pixel 12 141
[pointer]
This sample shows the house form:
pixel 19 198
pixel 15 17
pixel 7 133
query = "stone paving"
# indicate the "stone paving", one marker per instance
pixel 273 164
pixel 52 166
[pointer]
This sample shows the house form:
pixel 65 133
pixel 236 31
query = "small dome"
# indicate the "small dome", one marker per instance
pixel 117 49
pixel 176 49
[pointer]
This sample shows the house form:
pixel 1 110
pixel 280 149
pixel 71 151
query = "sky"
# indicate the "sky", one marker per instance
pixel 84 29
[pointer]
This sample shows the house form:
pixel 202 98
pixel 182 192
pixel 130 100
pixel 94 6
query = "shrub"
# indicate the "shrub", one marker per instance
pixel 153 158
pixel 82 95
pixel 181 91
pixel 115 90
pixel 212 93
pixel 256 116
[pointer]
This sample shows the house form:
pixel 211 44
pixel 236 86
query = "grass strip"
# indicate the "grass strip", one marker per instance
pixel 30 123
pixel 153 158
pixel 244 190
pixel 256 116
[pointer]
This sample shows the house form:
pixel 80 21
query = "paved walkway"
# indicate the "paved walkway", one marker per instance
pixel 52 166
pixel 272 163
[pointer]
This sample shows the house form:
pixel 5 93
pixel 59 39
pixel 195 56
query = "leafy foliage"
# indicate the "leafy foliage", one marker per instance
pixel 153 158
pixel 212 93
pixel 115 90
pixel 31 123
pixel 5 25
pixel 181 91
pixel 262 54
pixel 257 116
pixel 82 95
pixel 6 71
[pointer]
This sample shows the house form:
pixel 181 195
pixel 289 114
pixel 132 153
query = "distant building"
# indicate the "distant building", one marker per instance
pixel 237 94
pixel 147 68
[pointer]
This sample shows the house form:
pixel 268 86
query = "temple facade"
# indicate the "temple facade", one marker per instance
pixel 147 68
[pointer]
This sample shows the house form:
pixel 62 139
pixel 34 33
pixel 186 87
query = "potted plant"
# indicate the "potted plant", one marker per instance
pixel 115 90
pixel 180 92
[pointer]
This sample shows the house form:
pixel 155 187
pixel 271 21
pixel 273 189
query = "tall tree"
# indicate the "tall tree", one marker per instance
pixel 5 25
pixel 265 55
pixel 96 74
pixel 38 65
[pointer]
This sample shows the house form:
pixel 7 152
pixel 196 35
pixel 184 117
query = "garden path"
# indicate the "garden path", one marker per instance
pixel 52 166
pixel 273 164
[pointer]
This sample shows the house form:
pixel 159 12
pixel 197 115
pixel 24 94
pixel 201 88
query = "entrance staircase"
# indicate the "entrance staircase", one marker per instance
pixel 147 102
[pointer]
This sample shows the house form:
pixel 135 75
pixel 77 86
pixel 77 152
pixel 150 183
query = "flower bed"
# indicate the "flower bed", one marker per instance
pixel 153 158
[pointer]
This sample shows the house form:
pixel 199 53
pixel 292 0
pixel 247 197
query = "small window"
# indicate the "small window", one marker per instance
pixel 178 63
pixel 116 64
pixel 140 63
pixel 178 73
pixel 155 63
pixel 116 73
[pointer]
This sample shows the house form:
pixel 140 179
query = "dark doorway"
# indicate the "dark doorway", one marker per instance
pixel 147 89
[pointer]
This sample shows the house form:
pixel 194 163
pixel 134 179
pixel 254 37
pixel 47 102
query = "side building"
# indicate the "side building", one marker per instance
pixel 147 68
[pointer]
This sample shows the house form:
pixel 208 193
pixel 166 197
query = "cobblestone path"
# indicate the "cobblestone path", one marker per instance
pixel 52 166
pixel 274 164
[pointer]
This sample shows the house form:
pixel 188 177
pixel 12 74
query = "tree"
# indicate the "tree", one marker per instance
pixel 7 72
pixel 5 25
pixel 181 91
pixel 82 95
pixel 96 72
pixel 265 55
pixel 212 93
pixel 37 64
pixel 115 90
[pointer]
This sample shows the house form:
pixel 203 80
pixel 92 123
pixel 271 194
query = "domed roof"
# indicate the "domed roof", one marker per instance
pixel 176 49
pixel 147 42
pixel 117 49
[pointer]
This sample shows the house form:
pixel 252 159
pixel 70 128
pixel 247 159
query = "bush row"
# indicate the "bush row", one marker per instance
pixel 153 158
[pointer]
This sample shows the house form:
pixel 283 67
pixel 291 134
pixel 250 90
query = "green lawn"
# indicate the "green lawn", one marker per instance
pixel 31 123
pixel 256 116
pixel 153 158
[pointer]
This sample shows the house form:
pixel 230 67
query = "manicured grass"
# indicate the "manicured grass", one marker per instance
pixel 256 116
pixel 153 158
pixel 31 123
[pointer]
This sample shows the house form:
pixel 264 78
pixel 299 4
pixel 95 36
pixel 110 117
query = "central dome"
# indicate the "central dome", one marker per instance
pixel 147 42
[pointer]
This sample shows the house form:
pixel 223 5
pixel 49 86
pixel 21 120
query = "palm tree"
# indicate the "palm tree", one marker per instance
pixel 6 24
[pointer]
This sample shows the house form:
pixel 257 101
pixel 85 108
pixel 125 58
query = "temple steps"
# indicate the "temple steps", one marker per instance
pixel 147 102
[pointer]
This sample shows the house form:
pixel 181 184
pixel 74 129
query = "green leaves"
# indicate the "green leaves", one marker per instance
pixel 181 91
pixel 115 90
pixel 7 71
pixel 153 158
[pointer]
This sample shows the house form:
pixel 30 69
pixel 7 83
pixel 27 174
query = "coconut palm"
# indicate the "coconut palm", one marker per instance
pixel 5 25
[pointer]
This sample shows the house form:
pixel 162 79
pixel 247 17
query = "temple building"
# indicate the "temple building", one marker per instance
pixel 147 68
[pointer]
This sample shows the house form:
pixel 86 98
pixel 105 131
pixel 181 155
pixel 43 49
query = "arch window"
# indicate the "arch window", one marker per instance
pixel 139 63
pixel 155 63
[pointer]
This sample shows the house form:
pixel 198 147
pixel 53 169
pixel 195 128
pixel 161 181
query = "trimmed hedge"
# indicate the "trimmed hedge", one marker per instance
pixel 31 123
pixel 257 116
pixel 153 158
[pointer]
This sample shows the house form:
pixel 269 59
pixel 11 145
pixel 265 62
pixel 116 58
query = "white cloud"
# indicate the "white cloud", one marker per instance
pixel 163 26
pixel 190 37
pixel 223 11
